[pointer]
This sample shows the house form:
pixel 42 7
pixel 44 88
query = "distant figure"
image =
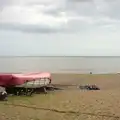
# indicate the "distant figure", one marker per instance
pixel 3 93
pixel 90 72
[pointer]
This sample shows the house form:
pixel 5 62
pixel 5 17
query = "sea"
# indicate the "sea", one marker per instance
pixel 60 64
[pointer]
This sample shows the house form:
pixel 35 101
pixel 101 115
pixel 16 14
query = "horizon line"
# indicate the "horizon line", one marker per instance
pixel 58 56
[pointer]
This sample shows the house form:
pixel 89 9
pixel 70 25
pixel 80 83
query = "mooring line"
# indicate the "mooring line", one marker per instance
pixel 61 111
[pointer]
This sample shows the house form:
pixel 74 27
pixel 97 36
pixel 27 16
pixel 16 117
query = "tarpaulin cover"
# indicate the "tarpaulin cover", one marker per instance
pixel 18 79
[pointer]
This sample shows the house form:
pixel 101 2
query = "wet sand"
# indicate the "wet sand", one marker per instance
pixel 71 103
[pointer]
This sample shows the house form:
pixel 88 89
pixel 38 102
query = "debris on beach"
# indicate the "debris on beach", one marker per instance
pixel 89 87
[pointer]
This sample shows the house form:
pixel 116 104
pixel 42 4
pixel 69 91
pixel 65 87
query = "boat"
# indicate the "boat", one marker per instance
pixel 25 82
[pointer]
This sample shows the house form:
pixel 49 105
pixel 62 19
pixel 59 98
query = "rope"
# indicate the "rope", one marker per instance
pixel 61 111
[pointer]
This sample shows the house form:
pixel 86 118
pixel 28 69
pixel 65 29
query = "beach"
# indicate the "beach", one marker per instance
pixel 70 103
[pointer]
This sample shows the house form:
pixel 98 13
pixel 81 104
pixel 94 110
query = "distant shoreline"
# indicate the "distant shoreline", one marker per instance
pixel 63 73
pixel 58 56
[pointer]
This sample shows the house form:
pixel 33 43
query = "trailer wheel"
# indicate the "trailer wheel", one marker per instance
pixel 29 92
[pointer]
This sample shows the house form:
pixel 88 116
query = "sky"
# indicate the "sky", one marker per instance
pixel 59 27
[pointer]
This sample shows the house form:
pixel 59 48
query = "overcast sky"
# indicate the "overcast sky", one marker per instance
pixel 59 27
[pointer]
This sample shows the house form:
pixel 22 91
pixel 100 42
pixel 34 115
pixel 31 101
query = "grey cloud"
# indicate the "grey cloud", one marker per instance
pixel 80 0
pixel 76 7
pixel 3 3
pixel 37 2
pixel 31 28
pixel 109 8
pixel 54 11
pixel 73 26
pixel 83 8
pixel 114 8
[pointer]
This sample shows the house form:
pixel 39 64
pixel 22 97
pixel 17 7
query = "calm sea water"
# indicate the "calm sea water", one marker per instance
pixel 60 64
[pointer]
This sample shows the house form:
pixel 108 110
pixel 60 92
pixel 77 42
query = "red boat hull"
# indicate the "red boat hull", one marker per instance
pixel 19 79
